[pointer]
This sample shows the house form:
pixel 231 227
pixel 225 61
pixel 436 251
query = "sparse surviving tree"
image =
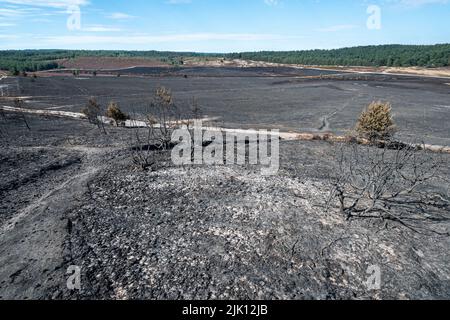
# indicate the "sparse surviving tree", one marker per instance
pixel 392 183
pixel 376 122
pixel 92 111
pixel 116 114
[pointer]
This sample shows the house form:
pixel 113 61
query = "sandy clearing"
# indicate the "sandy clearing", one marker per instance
pixel 435 72
pixel 416 72
pixel 411 71
pixel 81 116
pixel 443 72
pixel 60 107
pixel 65 114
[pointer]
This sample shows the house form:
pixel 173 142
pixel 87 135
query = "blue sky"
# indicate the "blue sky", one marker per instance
pixel 220 25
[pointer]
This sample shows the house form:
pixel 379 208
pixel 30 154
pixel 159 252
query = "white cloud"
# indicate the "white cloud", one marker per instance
pixel 151 39
pixel 100 28
pixel 7 36
pixel 10 13
pixel 338 28
pixel 48 3
pixel 14 11
pixel 416 3
pixel 271 2
pixel 119 16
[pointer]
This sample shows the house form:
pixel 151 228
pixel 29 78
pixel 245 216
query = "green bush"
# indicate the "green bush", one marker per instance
pixel 376 122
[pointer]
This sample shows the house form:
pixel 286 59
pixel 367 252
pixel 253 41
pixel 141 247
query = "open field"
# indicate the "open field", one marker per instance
pixel 71 196
pixel 100 64
pixel 289 99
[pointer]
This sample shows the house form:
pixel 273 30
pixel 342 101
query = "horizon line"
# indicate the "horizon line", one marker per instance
pixel 230 52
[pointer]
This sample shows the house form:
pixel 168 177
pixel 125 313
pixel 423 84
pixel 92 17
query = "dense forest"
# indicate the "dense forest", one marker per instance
pixel 386 55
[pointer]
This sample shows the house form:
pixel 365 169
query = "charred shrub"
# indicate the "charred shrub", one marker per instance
pixel 390 184
pixel 116 114
pixel 162 117
pixel 93 113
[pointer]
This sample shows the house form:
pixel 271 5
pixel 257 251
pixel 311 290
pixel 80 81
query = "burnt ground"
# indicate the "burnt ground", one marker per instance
pixel 71 196
pixel 221 72
pixel 284 99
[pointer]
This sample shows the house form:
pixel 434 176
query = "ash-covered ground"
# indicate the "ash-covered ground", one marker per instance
pixel 288 99
pixel 70 195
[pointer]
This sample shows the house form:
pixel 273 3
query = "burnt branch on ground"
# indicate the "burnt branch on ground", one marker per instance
pixel 391 184
pixel 18 104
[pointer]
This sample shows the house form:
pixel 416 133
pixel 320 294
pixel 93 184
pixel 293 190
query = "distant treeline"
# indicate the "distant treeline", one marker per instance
pixel 385 55
pixel 36 60
pixel 17 61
